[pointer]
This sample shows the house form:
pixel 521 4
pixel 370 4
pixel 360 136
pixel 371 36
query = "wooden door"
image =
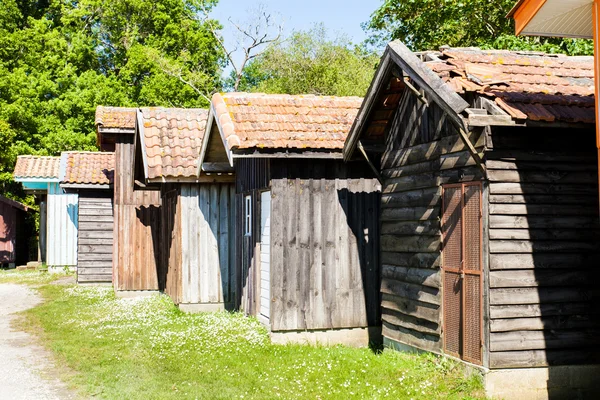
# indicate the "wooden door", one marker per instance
pixel 462 271
pixel 265 254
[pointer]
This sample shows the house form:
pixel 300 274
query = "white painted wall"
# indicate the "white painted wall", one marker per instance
pixel 61 230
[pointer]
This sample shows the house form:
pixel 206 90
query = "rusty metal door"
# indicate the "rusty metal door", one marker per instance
pixel 462 271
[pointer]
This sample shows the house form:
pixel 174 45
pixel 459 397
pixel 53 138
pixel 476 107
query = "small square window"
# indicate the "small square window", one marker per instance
pixel 248 216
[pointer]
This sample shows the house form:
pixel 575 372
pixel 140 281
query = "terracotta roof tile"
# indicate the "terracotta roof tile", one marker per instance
pixel 115 117
pixel 172 141
pixel 90 168
pixel 256 120
pixel 537 87
pixel 37 167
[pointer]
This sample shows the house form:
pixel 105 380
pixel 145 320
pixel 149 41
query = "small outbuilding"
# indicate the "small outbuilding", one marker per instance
pixel 137 219
pixel 307 231
pixel 14 233
pixel 197 241
pixel 58 210
pixel 90 176
pixel 489 215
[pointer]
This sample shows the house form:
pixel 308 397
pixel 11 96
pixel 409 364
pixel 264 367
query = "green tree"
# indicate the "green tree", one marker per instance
pixel 60 59
pixel 311 63
pixel 429 24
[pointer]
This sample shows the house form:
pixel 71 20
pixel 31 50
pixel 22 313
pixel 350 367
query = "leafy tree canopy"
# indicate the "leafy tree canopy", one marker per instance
pixel 430 24
pixel 309 62
pixel 59 59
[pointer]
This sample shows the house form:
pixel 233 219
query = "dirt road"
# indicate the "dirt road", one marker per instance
pixel 26 371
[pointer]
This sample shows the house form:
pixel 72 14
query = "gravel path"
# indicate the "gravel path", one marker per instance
pixel 26 371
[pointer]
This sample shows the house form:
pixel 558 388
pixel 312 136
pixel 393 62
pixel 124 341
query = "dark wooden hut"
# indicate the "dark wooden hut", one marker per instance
pixel 90 176
pixel 198 218
pixel 136 252
pixel 489 217
pixel 14 233
pixel 307 231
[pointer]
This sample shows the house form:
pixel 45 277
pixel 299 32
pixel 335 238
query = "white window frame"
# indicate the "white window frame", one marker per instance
pixel 248 215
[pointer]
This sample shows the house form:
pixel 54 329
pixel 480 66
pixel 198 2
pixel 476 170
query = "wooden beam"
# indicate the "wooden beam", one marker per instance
pixel 417 93
pixel 217 167
pixel 375 170
pixel 524 13
pixel 490 120
pixel 465 138
pixel 427 80
pixel 304 154
pixel 596 27
pixel 377 85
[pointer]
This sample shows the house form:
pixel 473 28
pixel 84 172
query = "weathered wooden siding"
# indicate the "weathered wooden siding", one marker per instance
pixel 208 255
pixel 170 266
pixel 199 236
pixel 95 242
pixel 324 245
pixel 62 227
pixel 252 177
pixel 423 152
pixel 544 248
pixel 136 254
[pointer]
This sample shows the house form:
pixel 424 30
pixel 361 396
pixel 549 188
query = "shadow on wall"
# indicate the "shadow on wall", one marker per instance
pixel 362 215
pixel 552 254
pixel 149 216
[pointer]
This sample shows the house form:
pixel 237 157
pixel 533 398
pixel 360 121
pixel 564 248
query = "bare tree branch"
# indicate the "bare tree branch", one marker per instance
pixel 258 36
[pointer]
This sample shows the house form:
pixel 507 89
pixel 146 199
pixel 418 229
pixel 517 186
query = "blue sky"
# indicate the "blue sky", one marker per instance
pixel 339 16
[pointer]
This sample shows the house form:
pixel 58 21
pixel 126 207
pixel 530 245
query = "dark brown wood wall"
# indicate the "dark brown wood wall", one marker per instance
pixel 544 259
pixel 95 237
pixel 14 235
pixel 136 253
pixel 423 151
pixel 252 177
pixel 324 245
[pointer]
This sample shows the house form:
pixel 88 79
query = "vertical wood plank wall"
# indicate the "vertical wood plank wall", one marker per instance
pixel 324 245
pixel 423 151
pixel 199 224
pixel 136 254
pixel 62 227
pixel 95 241
pixel 544 247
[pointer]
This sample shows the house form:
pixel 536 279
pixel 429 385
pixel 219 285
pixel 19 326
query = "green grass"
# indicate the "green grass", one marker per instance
pixel 28 277
pixel 147 349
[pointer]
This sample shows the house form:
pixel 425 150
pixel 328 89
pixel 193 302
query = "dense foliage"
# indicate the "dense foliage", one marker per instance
pixel 429 24
pixel 59 59
pixel 309 62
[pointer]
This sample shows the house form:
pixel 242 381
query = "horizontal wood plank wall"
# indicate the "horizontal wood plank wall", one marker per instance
pixel 95 243
pixel 324 241
pixel 207 243
pixel 423 151
pixel 136 253
pixel 544 248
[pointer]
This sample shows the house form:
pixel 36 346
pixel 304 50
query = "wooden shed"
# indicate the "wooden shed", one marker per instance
pixel 489 219
pixel 307 230
pixel 58 209
pixel 136 251
pixel 198 215
pixel 90 176
pixel 14 233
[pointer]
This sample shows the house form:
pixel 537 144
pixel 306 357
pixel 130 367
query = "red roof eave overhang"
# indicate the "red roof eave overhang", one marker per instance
pixel 524 12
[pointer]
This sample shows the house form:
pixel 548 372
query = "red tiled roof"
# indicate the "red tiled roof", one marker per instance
pixel 536 87
pixel 37 167
pixel 90 168
pixel 172 141
pixel 275 121
pixel 116 117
